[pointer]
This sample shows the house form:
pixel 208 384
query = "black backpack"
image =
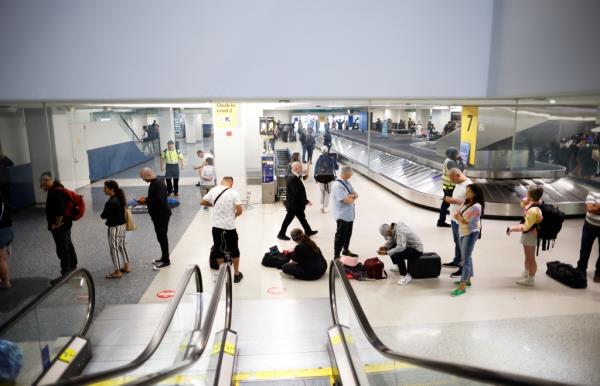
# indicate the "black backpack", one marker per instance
pixel 325 170
pixel 550 226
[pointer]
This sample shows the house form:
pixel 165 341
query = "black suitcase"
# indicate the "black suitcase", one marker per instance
pixel 428 266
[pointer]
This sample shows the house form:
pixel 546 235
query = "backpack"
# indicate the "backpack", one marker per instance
pixel 324 171
pixel 75 205
pixel 275 260
pixel 374 268
pixel 566 274
pixel 548 229
pixel 357 272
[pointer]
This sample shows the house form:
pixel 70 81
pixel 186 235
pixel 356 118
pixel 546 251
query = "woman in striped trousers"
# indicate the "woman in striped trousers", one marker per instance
pixel 114 214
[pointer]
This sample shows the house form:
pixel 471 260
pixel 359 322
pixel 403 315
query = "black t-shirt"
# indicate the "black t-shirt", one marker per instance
pixel 157 199
pixel 114 212
pixel 5 217
pixel 306 256
pixel 56 205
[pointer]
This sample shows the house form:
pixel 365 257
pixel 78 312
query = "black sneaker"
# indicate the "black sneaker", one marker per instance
pixel 160 265
pixel 457 273
pixel 450 264
pixel 238 278
pixel 283 237
pixel 348 253
pixel 443 225
pixel 156 261
pixel 197 184
pixel 312 233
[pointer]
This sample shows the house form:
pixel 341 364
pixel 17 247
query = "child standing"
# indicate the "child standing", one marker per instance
pixel 207 178
pixel 532 216
pixel 469 219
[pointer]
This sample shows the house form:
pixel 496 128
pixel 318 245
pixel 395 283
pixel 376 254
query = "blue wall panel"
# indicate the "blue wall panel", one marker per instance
pixel 21 190
pixel 108 160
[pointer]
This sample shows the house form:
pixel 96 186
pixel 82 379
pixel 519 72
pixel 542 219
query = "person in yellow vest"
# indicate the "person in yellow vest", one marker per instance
pixel 174 161
pixel 452 161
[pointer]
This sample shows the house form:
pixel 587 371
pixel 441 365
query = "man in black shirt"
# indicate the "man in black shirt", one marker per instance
pixel 59 224
pixel 160 213
pixel 295 202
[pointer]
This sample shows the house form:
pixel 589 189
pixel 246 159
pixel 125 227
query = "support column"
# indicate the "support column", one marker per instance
pixel 193 121
pixel 167 126
pixel 41 148
pixel 229 144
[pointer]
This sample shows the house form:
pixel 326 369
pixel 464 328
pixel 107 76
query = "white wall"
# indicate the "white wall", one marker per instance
pixel 13 137
pixel 216 49
pixel 101 134
pixel 228 149
pixel 545 48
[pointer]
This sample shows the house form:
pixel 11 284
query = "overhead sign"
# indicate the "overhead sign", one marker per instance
pixel 468 130
pixel 225 115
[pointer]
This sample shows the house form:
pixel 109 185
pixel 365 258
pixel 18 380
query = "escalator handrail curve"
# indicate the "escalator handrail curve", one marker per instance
pixel 156 339
pixel 224 277
pixel 44 295
pixel 464 371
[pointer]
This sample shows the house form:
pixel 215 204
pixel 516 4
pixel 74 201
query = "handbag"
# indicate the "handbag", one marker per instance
pixel 129 224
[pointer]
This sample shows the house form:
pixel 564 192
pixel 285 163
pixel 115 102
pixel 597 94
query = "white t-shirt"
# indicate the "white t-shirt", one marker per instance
pixel 207 171
pixel 460 193
pixel 223 214
pixel 202 161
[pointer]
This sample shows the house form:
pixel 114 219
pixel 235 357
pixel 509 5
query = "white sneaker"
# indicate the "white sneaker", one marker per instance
pixel 524 275
pixel 395 268
pixel 404 280
pixel 528 281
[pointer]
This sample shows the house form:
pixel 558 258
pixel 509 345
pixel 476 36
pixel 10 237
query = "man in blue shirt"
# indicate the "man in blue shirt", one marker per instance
pixel 343 197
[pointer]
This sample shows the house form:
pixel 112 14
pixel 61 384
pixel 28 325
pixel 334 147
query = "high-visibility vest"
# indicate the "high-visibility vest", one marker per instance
pixel 446 181
pixel 172 156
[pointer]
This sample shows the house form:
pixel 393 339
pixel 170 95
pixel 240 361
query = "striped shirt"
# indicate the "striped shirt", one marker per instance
pixel 593 219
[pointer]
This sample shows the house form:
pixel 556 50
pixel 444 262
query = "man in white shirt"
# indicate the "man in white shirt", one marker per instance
pixel 459 194
pixel 202 157
pixel 227 206
pixel 589 234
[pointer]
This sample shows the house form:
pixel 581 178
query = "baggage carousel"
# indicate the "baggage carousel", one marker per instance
pixel 422 184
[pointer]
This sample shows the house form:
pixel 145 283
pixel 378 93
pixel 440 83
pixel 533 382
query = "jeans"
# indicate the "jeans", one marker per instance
pixel 325 192
pixel 161 227
pixel 467 243
pixel 65 249
pixel 589 234
pixel 289 217
pixel 343 233
pixel 444 207
pixel 309 153
pixel 410 254
pixel 455 227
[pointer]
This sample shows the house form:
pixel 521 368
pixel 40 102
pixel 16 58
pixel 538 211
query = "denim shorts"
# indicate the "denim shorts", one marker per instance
pixel 6 237
pixel 529 239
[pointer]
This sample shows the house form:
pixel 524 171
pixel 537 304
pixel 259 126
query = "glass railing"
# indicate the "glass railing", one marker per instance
pixel 173 339
pixel 384 366
pixel 43 328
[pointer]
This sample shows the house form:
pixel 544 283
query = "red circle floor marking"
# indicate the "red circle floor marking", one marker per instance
pixel 276 290
pixel 165 294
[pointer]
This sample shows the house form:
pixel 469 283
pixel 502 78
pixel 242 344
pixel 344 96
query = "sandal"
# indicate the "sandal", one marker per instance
pixel 112 276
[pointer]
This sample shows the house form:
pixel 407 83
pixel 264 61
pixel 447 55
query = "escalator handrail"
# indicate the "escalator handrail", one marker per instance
pixel 156 339
pixel 224 276
pixel 464 371
pixel 130 128
pixel 44 295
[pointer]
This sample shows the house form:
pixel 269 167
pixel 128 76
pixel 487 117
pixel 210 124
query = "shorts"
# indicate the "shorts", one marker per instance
pixel 6 237
pixel 529 239
pixel 225 240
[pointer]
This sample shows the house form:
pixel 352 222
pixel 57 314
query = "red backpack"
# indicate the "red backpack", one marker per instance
pixel 374 268
pixel 75 205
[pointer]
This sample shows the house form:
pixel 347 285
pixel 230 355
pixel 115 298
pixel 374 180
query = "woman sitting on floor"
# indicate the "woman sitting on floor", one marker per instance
pixel 307 262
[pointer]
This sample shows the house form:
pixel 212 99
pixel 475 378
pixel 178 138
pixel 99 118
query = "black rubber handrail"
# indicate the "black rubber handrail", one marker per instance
pixel 223 278
pixel 44 295
pixel 130 128
pixel 464 371
pixel 156 339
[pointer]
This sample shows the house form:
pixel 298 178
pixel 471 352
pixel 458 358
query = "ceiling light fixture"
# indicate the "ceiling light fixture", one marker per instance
pixel 552 101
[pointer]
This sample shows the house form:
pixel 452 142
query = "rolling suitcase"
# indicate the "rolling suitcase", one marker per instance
pixel 428 266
